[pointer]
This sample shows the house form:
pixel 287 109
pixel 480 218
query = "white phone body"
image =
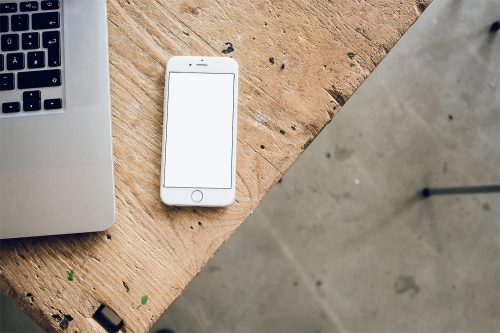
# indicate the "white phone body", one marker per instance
pixel 198 164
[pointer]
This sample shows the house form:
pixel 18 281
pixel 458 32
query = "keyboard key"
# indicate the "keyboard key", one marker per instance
pixel 19 22
pixel 32 105
pixel 6 81
pixel 51 41
pixel 1 62
pixel 10 7
pixel 50 4
pixel 36 59
pixel 50 38
pixel 10 42
pixel 52 104
pixel 11 107
pixel 4 23
pixel 15 61
pixel 31 41
pixel 32 95
pixel 39 79
pixel 29 6
pixel 42 21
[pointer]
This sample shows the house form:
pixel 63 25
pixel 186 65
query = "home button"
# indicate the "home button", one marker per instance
pixel 197 196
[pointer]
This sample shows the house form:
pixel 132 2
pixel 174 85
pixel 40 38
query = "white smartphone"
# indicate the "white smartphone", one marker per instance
pixel 198 165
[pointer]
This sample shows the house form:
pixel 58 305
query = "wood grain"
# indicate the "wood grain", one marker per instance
pixel 322 51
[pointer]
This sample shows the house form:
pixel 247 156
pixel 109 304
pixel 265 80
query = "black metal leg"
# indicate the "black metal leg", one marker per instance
pixel 429 191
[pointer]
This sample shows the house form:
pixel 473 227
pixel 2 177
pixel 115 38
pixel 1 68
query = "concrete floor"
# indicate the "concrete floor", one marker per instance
pixel 344 244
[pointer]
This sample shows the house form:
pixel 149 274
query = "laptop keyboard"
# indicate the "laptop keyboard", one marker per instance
pixel 31 59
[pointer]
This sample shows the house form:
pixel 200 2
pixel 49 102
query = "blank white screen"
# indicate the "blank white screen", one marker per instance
pixel 199 131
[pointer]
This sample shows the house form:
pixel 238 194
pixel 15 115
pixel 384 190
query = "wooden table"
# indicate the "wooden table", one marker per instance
pixel 300 61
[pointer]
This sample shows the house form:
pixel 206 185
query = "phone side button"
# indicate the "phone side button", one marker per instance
pixel 197 196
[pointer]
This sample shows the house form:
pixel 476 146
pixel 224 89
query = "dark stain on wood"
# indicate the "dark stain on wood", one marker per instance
pixel 336 96
pixel 229 48
pixel 308 143
pixel 65 321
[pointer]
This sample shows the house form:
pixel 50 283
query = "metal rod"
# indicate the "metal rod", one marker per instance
pixel 429 191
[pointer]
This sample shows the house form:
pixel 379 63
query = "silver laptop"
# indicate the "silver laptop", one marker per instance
pixel 56 164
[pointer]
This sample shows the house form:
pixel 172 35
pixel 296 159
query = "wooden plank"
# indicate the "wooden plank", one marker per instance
pixel 322 51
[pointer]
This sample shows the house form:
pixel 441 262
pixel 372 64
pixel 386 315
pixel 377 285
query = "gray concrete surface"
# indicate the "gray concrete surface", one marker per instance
pixel 344 244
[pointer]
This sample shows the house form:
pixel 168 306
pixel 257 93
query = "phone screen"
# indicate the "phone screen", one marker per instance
pixel 199 130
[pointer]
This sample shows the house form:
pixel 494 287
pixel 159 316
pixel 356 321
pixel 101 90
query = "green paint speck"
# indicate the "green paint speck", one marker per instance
pixel 282 132
pixel 70 276
pixel 144 300
pixel 351 54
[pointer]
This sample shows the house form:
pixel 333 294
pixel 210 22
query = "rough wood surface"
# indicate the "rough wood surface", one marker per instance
pixel 321 51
